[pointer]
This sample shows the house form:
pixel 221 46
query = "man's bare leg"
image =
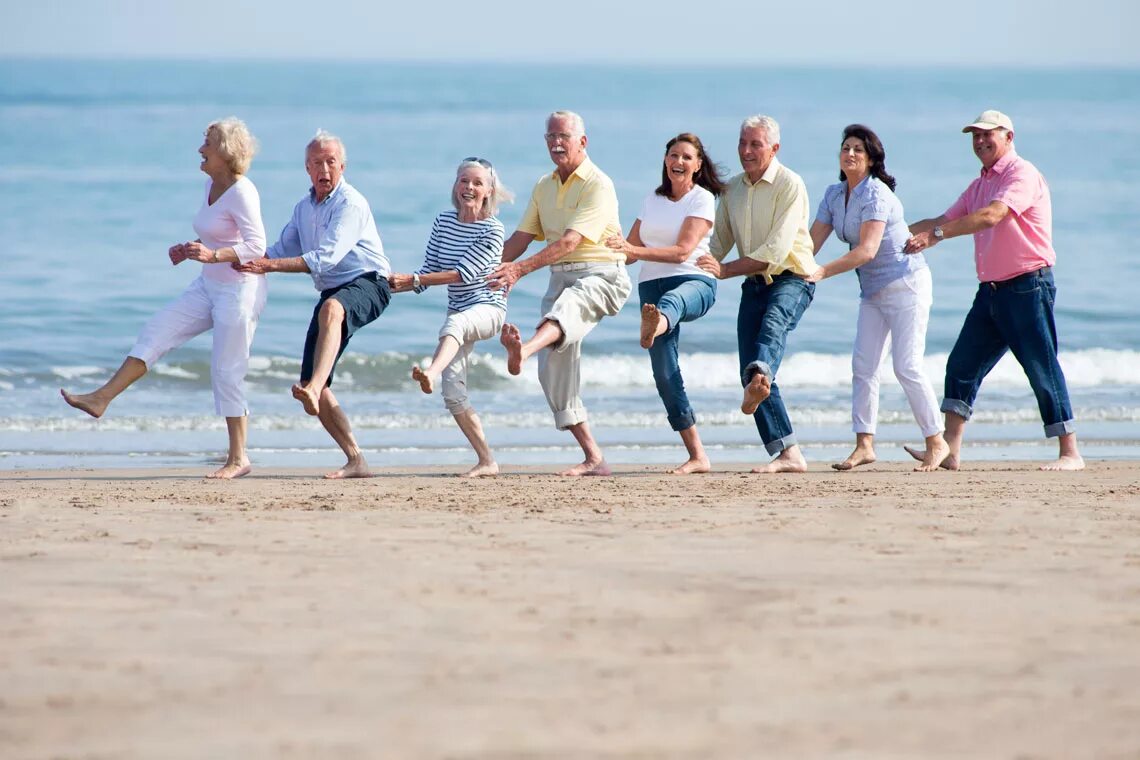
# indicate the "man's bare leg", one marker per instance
pixel 96 402
pixel 1069 458
pixel 955 430
pixel 698 461
pixel 469 423
pixel 653 325
pixel 864 453
pixel 445 352
pixel 790 459
pixel 758 389
pixel 337 425
pixel 594 463
pixel 547 334
pixel 330 327
pixel 237 463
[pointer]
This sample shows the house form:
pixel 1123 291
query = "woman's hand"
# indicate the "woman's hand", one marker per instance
pixel 620 244
pixel 820 273
pixel 195 251
pixel 400 283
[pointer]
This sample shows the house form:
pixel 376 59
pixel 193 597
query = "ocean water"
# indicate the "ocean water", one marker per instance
pixel 98 168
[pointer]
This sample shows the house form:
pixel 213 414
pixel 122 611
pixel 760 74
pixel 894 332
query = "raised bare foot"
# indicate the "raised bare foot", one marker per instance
pixel 934 456
pixel 354 468
pixel 786 462
pixel 692 467
pixel 650 319
pixel 758 389
pixel 488 470
pixel 308 398
pixel 588 467
pixel 86 402
pixel 231 471
pixel 949 462
pixel 1065 464
pixel 856 458
pixel 423 378
pixel 512 341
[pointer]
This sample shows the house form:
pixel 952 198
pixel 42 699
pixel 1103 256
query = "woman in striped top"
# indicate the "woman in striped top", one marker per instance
pixel 465 246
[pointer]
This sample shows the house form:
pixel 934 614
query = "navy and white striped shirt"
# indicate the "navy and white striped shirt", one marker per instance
pixel 473 249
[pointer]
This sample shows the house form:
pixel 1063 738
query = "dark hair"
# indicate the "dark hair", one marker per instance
pixel 708 176
pixel 875 152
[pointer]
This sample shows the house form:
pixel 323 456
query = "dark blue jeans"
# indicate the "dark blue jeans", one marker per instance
pixel 681 299
pixel 1015 315
pixel 767 314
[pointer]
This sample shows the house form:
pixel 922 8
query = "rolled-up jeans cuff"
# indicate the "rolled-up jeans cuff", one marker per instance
pixel 757 366
pixel 1060 428
pixel 960 408
pixel 778 445
pixel 567 418
pixel 683 421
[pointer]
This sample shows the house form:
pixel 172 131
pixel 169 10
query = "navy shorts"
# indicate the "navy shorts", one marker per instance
pixel 364 299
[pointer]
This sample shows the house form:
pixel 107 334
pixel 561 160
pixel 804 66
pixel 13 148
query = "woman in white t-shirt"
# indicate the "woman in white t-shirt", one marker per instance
pixel 465 246
pixel 221 298
pixel 671 233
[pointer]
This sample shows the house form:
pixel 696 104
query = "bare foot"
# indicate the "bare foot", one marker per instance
pixel 308 399
pixel 86 402
pixel 758 389
pixel 588 467
pixel 423 378
pixel 650 319
pixel 488 470
pixel 786 462
pixel 512 341
pixel 934 456
pixel 354 468
pixel 1065 464
pixel 857 457
pixel 692 467
pixel 231 471
pixel 949 462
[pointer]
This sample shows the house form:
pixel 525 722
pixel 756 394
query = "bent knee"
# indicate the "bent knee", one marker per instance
pixel 332 309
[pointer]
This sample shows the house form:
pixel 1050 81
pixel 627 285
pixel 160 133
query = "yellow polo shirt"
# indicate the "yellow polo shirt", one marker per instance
pixel 585 202
pixel 766 221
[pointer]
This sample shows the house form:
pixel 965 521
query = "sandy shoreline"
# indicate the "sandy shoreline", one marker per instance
pixel 993 612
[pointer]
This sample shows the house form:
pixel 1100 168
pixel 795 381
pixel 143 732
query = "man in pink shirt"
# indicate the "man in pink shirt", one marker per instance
pixel 1008 211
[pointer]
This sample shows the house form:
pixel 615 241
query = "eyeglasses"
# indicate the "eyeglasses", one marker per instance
pixel 481 161
pixel 556 136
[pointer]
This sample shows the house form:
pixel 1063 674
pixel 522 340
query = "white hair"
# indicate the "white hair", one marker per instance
pixel 235 143
pixel 499 193
pixel 766 123
pixel 323 138
pixel 577 126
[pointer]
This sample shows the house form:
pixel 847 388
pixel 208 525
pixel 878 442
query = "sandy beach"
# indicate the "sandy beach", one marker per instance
pixel 993 612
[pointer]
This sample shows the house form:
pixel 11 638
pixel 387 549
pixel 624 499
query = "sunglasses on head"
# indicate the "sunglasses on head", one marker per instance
pixel 481 161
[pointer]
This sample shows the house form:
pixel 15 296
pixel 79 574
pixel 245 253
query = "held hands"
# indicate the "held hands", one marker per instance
pixel 257 266
pixel 619 243
pixel 710 265
pixel 819 274
pixel 505 276
pixel 920 241
pixel 400 283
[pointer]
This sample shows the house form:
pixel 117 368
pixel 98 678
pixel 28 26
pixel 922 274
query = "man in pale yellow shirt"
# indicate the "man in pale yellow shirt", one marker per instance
pixel 764 213
pixel 575 209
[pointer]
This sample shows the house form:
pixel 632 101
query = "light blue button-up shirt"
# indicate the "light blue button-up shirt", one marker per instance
pixel 871 201
pixel 337 238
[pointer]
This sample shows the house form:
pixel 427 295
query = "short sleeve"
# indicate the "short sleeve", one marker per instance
pixel 1020 189
pixel 703 205
pixel 959 209
pixel 823 214
pixel 531 222
pixel 878 206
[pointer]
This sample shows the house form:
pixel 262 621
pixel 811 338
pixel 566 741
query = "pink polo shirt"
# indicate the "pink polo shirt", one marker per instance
pixel 1022 241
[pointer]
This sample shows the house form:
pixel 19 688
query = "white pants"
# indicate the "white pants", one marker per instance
pixel 578 297
pixel 477 323
pixel 900 311
pixel 232 310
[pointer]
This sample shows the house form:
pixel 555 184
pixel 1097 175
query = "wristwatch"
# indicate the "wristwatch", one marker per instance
pixel 937 232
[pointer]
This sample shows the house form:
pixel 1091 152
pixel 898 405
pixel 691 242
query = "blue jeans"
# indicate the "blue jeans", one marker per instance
pixel 767 314
pixel 1015 315
pixel 682 298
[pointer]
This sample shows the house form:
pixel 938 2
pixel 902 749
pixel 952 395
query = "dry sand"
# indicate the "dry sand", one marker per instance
pixel 991 613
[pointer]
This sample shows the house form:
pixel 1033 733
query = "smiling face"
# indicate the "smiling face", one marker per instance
pixel 325 165
pixel 991 144
pixel 756 151
pixel 567 150
pixel 471 190
pixel 853 159
pixel 682 161
pixel 213 163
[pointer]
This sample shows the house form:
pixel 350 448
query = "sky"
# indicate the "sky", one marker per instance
pixel 1023 33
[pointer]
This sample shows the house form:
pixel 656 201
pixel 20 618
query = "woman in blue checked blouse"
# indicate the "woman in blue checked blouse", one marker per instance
pixel 895 292
pixel 465 246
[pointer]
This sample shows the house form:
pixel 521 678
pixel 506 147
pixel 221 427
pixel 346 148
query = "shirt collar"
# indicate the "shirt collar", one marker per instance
pixel 313 192
pixel 584 171
pixel 768 176
pixel 1002 163
pixel 863 187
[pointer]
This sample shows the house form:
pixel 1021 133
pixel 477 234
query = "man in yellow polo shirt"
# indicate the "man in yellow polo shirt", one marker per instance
pixel 574 209
pixel 764 213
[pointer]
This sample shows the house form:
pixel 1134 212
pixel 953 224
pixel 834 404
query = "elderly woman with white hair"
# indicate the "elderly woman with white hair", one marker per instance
pixel 465 246
pixel 221 298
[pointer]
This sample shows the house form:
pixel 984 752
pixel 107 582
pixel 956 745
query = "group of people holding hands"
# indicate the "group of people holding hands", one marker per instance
pixel 682 236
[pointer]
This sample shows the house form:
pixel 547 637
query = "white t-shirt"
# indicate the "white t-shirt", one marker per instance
pixel 661 221
pixel 234 221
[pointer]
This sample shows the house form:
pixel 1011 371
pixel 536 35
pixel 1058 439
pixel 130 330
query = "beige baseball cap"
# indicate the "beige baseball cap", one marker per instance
pixel 990 120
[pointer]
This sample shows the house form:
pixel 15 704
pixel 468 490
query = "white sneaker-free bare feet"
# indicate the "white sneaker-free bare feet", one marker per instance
pixel 354 468
pixel 481 470
pixel 758 389
pixel 948 461
pixel 859 456
pixel 423 378
pixel 650 319
pixel 589 467
pixel 231 471
pixel 1065 464
pixel 85 402
pixel 789 460
pixel 935 454
pixel 308 398
pixel 692 467
pixel 512 341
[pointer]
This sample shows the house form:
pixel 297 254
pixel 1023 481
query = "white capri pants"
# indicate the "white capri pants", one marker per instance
pixel 901 312
pixel 578 297
pixel 479 322
pixel 232 310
